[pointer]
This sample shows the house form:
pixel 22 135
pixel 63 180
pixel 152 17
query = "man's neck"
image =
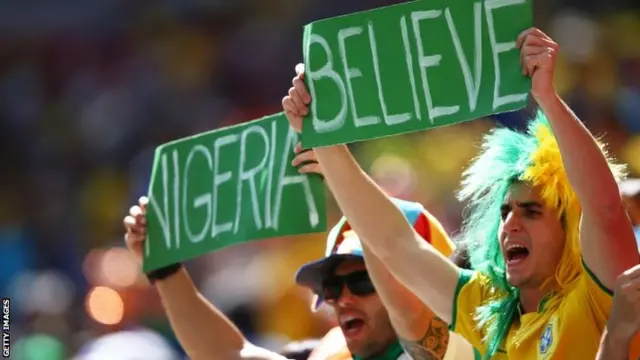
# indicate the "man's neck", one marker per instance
pixel 530 299
pixel 391 352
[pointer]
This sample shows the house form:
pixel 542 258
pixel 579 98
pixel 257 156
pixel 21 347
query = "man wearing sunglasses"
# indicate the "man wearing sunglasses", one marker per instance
pixel 340 280
pixel 373 321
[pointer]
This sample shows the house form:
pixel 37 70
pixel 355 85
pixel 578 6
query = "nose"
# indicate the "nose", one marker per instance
pixel 346 298
pixel 513 223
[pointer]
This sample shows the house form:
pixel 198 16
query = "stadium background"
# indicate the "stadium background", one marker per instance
pixel 88 88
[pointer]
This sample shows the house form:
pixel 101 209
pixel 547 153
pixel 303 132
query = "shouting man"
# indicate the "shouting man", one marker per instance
pixel 547 229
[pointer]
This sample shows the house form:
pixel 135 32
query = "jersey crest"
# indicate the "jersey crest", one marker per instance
pixel 548 339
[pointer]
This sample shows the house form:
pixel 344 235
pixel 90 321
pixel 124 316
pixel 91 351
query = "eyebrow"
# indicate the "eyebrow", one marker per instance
pixel 525 204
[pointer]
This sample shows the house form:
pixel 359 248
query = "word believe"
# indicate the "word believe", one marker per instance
pixel 401 68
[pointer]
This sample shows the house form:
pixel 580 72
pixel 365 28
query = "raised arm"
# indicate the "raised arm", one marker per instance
pixel 612 347
pixel 413 321
pixel 386 231
pixel 203 330
pixel 606 236
pixel 421 332
pixel 624 320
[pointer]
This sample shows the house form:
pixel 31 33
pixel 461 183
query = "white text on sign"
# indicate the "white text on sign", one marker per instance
pixel 265 205
pixel 343 75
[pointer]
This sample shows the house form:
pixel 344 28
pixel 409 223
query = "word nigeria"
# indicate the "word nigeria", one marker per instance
pixel 228 186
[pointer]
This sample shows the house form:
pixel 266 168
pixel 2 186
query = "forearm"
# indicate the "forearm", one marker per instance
pixel 613 347
pixel 382 226
pixel 585 163
pixel 606 237
pixel 356 195
pixel 410 318
pixel 203 331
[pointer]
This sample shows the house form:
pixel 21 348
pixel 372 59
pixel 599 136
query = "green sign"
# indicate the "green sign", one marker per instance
pixel 411 67
pixel 229 186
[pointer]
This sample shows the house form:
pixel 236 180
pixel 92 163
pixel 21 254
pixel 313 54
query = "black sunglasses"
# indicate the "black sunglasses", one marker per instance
pixel 358 283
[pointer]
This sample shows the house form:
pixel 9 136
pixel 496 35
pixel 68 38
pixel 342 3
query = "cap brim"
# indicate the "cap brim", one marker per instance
pixel 312 275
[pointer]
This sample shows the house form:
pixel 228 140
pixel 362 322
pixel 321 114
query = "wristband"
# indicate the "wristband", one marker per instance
pixel 163 273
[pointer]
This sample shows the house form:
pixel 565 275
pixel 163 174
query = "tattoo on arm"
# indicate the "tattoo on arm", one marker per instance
pixel 433 345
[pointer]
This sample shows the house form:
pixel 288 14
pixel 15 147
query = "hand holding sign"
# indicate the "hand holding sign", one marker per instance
pixel 538 57
pixel 135 225
pixel 306 161
pixel 296 106
pixel 296 103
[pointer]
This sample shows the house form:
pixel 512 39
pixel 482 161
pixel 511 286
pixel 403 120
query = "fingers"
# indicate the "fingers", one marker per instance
pixel 533 60
pixel 630 274
pixel 295 104
pixel 134 227
pixel 530 32
pixel 632 285
pixel 535 57
pixel 629 284
pixel 142 202
pixel 299 95
pixel 289 106
pixel 135 210
pixel 300 107
pixel 539 41
pixel 300 70
pixel 306 160
pixel 534 45
pixel 291 111
pixel 136 222
pixel 523 35
pixel 305 156
pixel 301 89
pixel 298 147
pixel 310 168
pixel 536 50
pixel 129 223
pixel 139 214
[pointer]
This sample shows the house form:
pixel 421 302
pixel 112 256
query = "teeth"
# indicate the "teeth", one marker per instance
pixel 514 246
pixel 347 318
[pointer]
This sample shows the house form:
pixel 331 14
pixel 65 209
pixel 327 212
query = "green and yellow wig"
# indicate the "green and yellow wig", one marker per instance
pixel 509 156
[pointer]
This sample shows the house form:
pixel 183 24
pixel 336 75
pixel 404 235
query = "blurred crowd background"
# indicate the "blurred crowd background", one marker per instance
pixel 88 89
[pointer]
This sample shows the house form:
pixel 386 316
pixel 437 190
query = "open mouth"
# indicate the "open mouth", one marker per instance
pixel 351 325
pixel 516 254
